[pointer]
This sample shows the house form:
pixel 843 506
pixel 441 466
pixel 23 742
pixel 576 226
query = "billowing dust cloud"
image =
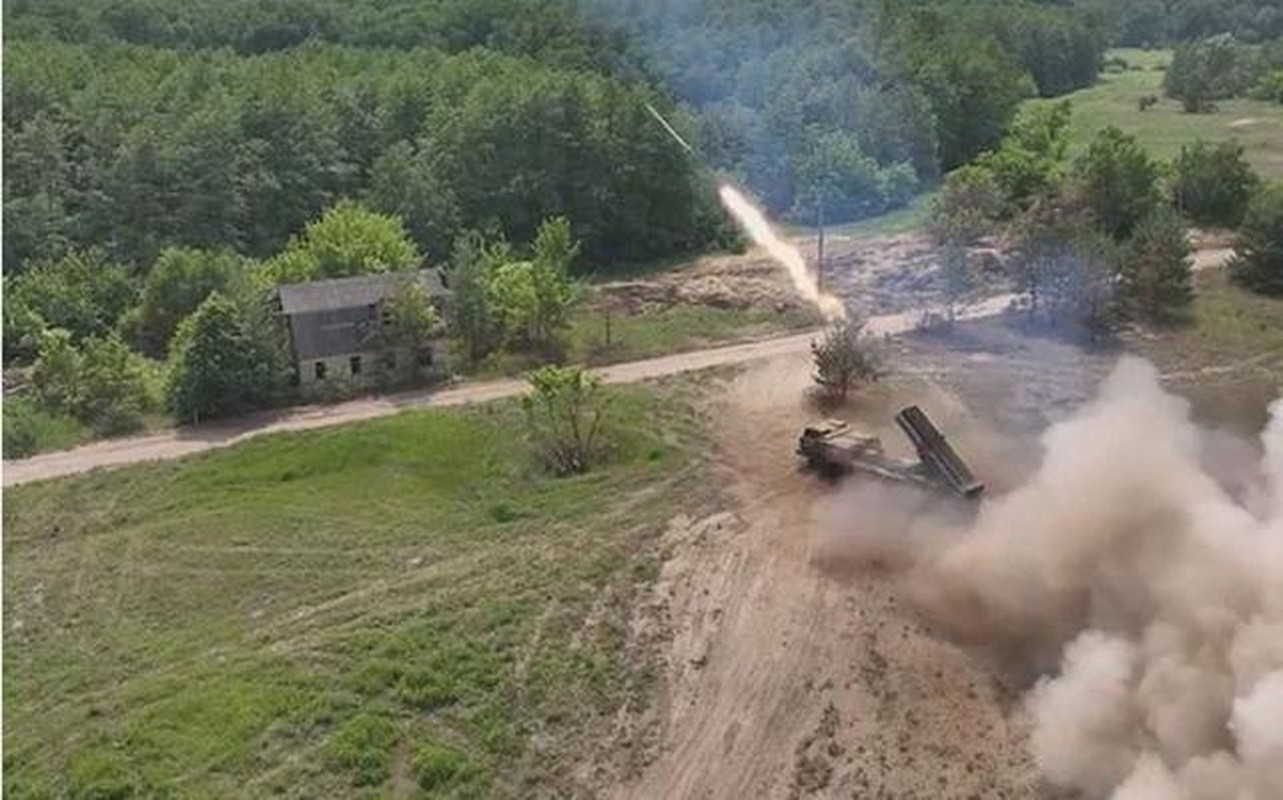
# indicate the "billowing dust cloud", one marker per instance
pixel 1148 598
pixel 755 224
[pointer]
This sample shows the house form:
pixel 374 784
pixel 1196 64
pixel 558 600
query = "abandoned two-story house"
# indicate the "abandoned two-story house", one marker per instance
pixel 337 332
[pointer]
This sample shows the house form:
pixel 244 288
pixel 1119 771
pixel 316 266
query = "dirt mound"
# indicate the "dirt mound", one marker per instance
pixel 874 275
pixel 887 274
pixel 738 282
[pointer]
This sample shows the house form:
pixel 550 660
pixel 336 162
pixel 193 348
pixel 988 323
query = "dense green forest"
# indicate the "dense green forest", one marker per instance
pixel 136 124
pixel 1146 23
pixel 167 160
pixel 134 148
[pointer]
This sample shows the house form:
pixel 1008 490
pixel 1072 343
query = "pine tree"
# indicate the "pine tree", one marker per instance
pixel 956 279
pixel 1157 281
pixel 1258 260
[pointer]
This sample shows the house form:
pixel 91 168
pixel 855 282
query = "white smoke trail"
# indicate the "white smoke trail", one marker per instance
pixel 671 130
pixel 1152 597
pixel 755 224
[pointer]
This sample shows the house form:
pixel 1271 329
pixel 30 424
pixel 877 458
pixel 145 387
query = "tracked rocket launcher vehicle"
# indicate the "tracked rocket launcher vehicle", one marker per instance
pixel 834 446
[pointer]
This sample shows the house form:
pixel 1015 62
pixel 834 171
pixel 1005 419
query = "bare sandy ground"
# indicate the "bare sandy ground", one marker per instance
pixel 788 675
pixel 793 669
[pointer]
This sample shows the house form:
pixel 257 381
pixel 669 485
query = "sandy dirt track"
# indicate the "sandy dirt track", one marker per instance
pixel 789 675
pixel 181 442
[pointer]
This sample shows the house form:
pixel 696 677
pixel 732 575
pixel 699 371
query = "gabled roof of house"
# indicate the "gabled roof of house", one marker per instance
pixel 336 317
pixel 354 292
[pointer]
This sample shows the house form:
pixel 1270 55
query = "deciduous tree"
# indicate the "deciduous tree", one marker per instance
pixel 178 283
pixel 474 322
pixel 413 321
pixel 348 239
pixel 1204 71
pixel 1082 287
pixel 565 410
pixel 410 184
pixel 221 364
pixel 969 206
pixel 82 292
pixel 845 359
pixel 531 299
pixel 1118 181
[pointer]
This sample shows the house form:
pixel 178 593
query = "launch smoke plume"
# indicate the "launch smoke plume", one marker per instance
pixel 754 223
pixel 1151 600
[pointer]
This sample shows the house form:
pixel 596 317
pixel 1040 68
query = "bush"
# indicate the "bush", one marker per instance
pixel 1209 70
pixel 844 359
pixel 114 387
pixel 30 429
pixel 1214 183
pixel 20 437
pixel 1270 87
pixel 23 327
pixel 968 206
pixel 363 747
pixel 55 375
pixel 1115 64
pixel 103 384
pixel 564 413
pixel 1258 259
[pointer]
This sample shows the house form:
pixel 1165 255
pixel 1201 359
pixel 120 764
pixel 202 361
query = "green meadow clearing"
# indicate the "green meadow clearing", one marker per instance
pixel 1165 128
pixel 405 607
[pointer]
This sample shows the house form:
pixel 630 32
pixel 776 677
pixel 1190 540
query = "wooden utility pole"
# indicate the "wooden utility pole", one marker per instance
pixel 819 246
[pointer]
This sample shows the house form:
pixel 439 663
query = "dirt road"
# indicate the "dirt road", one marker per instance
pixel 181 442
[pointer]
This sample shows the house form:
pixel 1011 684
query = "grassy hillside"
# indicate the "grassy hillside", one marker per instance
pixel 1165 127
pixel 400 607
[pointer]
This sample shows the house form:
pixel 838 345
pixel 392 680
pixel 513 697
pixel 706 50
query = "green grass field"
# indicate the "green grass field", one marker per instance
pixel 405 607
pixel 649 334
pixel 1229 324
pixel 673 330
pixel 1165 127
